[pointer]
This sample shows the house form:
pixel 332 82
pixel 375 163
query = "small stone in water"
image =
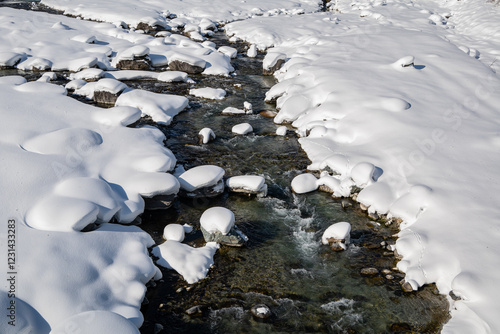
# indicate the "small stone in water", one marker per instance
pixel 369 271
pixel 195 310
pixel 389 277
pixel 407 287
pixel 386 271
pixel 261 311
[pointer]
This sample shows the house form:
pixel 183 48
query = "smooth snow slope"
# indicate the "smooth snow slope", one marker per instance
pixel 431 130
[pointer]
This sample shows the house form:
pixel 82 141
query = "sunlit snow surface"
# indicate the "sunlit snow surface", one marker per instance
pixel 422 139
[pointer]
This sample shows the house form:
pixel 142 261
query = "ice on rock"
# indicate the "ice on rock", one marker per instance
pixel 192 263
pixel 208 93
pixel 292 108
pixel 96 322
pixel 242 129
pixel 206 135
pixel 338 232
pixel 281 130
pixel 228 51
pixel 173 76
pixel 89 74
pixel 304 183
pixel 217 219
pixel 252 184
pixel 200 177
pixel 363 174
pixel 161 107
pixel 174 232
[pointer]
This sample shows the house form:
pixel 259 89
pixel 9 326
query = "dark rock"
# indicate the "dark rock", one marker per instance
pixel 234 238
pixel 261 311
pixel 369 271
pixel 147 28
pixel 211 191
pixel 268 113
pixel 274 68
pixel 177 65
pixel 136 64
pixel 400 328
pixel 160 202
pixel 158 328
pixel 407 287
pixel 195 311
pixel 106 98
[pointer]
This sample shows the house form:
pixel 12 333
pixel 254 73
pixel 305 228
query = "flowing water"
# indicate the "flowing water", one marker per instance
pixel 308 287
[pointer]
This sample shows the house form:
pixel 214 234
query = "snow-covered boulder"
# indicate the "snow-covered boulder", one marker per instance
pixel 242 129
pixel 304 183
pixel 233 111
pixel 186 63
pixel 217 225
pixel 337 236
pixel 248 184
pixel 206 135
pixel 174 232
pixel 97 322
pixel 273 62
pixel 228 51
pixel 172 76
pixel 208 93
pixel 281 130
pixel 106 91
pixel 134 58
pixel 202 181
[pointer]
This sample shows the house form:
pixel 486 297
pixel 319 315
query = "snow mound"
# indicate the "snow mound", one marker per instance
pixel 247 183
pixel 87 74
pixel 192 263
pixel 160 107
pixel 173 76
pixel 174 232
pixel 200 177
pixel 207 135
pixel 242 129
pixel 338 231
pixel 228 51
pixel 96 322
pixel 208 93
pixel 304 183
pixel 217 219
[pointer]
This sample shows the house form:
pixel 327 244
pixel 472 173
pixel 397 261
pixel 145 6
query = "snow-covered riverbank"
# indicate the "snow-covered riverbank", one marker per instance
pixel 395 97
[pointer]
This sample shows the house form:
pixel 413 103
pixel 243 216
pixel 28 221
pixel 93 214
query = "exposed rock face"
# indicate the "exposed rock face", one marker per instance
pixel 106 98
pixel 140 64
pixel 177 65
pixel 160 202
pixel 234 238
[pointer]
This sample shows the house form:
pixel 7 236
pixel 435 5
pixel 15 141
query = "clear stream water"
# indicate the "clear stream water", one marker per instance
pixel 308 287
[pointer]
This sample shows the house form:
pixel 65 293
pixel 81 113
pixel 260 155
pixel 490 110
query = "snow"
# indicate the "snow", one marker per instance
pixel 200 177
pixel 160 107
pixel 208 93
pixel 233 111
pixel 252 51
pixel 192 263
pixel 174 232
pixel 281 130
pixel 228 51
pixel 110 85
pixel 304 183
pixel 242 129
pixel 339 231
pixel 207 135
pixel 217 219
pixel 391 103
pixel 92 322
pixel 248 183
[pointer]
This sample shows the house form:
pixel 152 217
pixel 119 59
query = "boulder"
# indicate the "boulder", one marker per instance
pixel 140 64
pixel 234 237
pixel 261 311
